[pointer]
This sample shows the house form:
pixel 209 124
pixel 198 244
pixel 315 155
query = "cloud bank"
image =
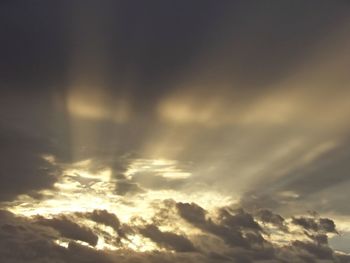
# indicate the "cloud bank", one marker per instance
pixel 177 232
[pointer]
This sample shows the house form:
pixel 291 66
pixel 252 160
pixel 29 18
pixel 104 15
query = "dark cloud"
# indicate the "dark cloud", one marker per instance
pixel 104 217
pixel 33 240
pixel 232 227
pixel 229 226
pixel 167 239
pixel 317 250
pixel 319 238
pixel 23 167
pixel 81 254
pixel 325 225
pixel 22 241
pixel 192 213
pixel 238 219
pixel 307 223
pixel 126 186
pixel 268 216
pixel 69 229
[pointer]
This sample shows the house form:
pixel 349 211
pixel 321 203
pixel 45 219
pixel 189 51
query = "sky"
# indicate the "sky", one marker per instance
pixel 174 131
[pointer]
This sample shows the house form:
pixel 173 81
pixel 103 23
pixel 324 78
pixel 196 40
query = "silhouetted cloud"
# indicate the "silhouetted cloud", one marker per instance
pixel 34 239
pixel 69 229
pixel 268 216
pixel 24 169
pixel 124 187
pixel 315 224
pixel 167 239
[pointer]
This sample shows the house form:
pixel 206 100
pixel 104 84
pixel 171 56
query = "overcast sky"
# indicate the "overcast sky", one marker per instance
pixel 174 131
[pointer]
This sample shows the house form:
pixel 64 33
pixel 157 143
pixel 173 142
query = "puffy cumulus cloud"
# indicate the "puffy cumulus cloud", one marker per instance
pixel 181 232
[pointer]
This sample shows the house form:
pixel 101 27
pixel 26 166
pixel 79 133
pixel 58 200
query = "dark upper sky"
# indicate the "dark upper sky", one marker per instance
pixel 155 42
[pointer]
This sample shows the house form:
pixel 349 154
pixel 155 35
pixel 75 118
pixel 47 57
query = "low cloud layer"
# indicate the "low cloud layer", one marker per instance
pixel 227 234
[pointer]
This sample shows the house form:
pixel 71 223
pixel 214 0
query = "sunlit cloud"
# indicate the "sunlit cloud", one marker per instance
pixel 80 191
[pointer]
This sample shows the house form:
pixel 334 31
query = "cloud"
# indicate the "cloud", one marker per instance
pixel 240 229
pixel 82 254
pixel 69 229
pixel 23 241
pixel 268 216
pixel 318 251
pixel 126 186
pixel 104 217
pixel 24 168
pixel 325 225
pixel 228 228
pixel 193 213
pixel 221 231
pixel 253 99
pixel 167 239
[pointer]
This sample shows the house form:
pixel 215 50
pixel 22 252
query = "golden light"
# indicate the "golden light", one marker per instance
pixel 93 104
pixel 159 167
pixel 79 190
